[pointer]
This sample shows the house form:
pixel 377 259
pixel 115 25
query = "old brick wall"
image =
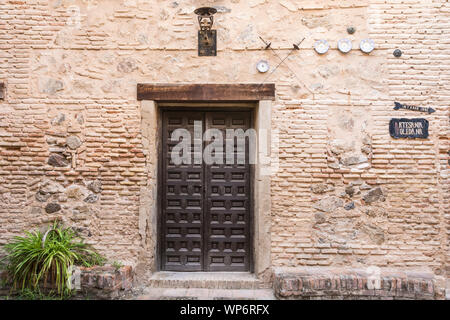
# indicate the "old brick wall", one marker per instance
pixel 346 193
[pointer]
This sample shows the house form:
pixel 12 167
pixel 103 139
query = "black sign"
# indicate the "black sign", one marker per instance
pixel 409 128
pixel 414 108
pixel 207 43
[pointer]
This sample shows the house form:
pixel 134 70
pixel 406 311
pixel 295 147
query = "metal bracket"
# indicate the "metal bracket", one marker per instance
pixel 2 91
pixel 207 43
pixel 297 45
pixel 268 44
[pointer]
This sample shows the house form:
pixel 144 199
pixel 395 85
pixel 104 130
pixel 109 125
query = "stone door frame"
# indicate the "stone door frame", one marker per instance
pixel 152 97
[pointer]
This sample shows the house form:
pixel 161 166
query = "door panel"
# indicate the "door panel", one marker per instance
pixel 227 200
pixel 206 207
pixel 182 201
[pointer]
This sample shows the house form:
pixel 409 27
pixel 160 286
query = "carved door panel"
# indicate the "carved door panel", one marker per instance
pixel 205 206
pixel 228 198
pixel 182 200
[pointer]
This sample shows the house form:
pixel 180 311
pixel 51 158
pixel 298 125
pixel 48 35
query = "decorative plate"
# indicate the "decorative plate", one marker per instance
pixel 367 45
pixel 262 66
pixel 344 45
pixel 321 46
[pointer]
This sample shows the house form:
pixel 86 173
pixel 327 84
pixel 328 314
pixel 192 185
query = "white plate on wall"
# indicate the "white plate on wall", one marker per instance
pixel 367 45
pixel 321 46
pixel 344 45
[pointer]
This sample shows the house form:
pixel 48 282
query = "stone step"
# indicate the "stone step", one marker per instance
pixel 205 294
pixel 206 280
pixel 447 291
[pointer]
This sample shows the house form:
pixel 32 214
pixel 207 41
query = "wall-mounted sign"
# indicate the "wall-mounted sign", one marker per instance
pixel 414 108
pixel 409 128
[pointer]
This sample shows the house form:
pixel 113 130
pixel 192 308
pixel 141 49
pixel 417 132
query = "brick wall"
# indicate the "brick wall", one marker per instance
pixel 346 194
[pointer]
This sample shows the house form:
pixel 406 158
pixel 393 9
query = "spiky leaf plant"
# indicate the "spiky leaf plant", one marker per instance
pixel 40 259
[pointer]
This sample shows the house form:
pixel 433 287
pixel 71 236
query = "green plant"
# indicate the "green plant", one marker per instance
pixel 29 294
pixel 42 259
pixel 117 265
pixel 3 282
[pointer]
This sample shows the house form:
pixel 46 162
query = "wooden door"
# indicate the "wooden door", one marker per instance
pixel 205 207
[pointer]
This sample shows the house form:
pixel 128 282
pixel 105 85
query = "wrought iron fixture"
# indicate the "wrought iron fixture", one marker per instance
pixel 207 38
pixel 2 91
pixel 351 30
pixel 205 17
pixel 397 53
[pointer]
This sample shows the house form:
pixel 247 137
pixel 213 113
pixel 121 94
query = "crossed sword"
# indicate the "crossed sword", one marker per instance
pixel 296 47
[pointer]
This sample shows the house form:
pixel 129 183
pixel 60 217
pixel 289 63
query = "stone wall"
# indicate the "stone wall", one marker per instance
pixel 346 193
pixel 317 284
pixel 105 282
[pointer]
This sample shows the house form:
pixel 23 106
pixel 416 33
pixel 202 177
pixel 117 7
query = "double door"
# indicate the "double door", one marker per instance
pixel 206 197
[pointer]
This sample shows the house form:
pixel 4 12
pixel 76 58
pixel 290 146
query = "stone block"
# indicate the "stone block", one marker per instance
pixel 350 284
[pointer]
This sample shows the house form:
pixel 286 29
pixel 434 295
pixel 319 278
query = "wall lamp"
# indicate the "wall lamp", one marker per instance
pixel 207 38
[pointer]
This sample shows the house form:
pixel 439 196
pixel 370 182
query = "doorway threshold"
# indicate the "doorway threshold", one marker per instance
pixel 208 280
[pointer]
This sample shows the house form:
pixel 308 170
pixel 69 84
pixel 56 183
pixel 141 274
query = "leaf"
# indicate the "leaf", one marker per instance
pixel 32 263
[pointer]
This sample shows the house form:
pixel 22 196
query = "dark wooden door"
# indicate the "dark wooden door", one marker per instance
pixel 206 206
pixel 182 200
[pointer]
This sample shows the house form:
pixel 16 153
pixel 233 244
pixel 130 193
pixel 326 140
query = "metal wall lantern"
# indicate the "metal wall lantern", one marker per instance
pixel 2 91
pixel 207 38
